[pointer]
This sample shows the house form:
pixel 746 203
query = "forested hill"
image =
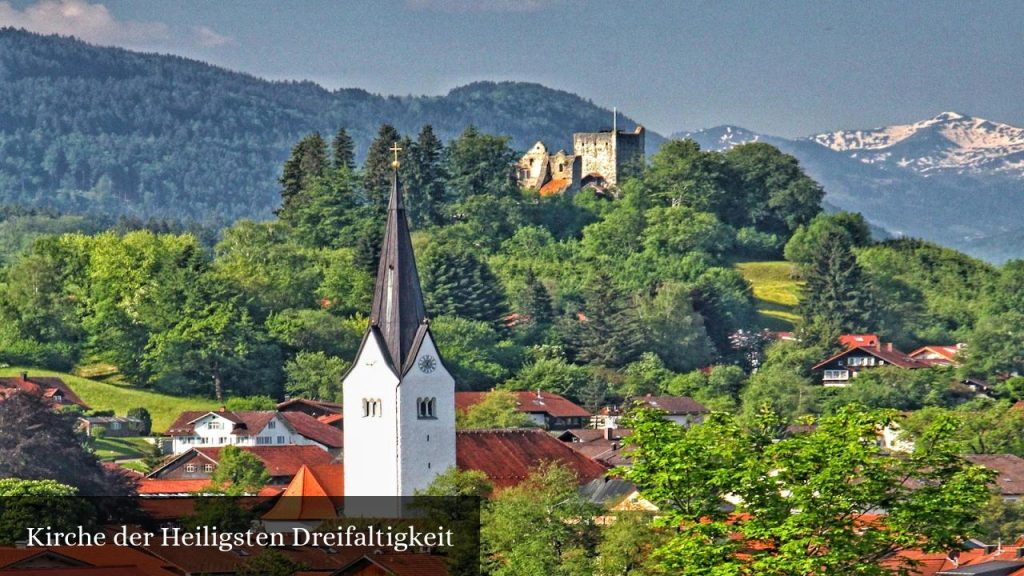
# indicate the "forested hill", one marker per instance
pixel 105 130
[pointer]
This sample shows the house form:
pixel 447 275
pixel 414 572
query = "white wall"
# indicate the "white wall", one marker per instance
pixel 206 437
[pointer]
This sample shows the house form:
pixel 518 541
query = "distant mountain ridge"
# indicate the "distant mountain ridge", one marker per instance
pixel 88 128
pixel 953 179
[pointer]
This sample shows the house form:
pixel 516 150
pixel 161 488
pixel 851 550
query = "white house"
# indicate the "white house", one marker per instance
pixel 399 408
pixel 251 428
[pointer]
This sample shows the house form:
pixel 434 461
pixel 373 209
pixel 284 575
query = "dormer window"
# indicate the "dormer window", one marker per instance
pixel 426 408
pixel 214 425
pixel 272 424
pixel 58 398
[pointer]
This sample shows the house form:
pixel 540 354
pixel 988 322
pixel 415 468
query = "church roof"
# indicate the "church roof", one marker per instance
pixel 397 315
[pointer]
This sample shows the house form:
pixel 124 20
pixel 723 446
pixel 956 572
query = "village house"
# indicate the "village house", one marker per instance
pixel 682 410
pixel 603 445
pixel 112 426
pixel 53 390
pixel 281 462
pixel 545 409
pixel 252 428
pixel 844 366
pixel 938 355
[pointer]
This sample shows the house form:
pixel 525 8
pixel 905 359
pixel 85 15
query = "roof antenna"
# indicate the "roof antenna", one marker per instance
pixel 615 119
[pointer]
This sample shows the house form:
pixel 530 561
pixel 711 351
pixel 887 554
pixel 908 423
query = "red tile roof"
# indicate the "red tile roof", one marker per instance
pixel 854 340
pixel 555 186
pixel 279 460
pixel 321 405
pixel 397 565
pixel 893 356
pixel 531 402
pixel 154 486
pixel 309 495
pixel 44 386
pixel 507 456
pixel 1009 469
pixel 946 354
pixel 314 429
pixel 109 559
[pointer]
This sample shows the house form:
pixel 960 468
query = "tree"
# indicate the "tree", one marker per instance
pixel 246 403
pixel 239 472
pixel 269 562
pixel 142 415
pixel 779 196
pixel 478 163
pixel 456 282
pixel 836 289
pixel 532 305
pixel 682 175
pixel 43 444
pixel 996 348
pixel 784 392
pixel 33 503
pixel 314 375
pixel 474 352
pixel 453 500
pixel 542 526
pixel 552 374
pixel 808 501
pixel 423 177
pixel 498 409
pixel 377 167
pixel 608 330
pixel 343 151
pixel 308 160
pixel 673 330
pixel 626 544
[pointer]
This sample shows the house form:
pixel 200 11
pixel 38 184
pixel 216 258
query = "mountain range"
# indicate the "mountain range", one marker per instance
pixel 954 179
pixel 90 129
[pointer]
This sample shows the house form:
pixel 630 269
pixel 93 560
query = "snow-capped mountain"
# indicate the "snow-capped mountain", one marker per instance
pixel 947 142
pixel 953 179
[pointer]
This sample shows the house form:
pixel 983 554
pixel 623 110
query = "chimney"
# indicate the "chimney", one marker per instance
pixel 878 344
pixel 888 347
pixel 223 408
pixel 24 376
pixel 608 435
pixel 538 393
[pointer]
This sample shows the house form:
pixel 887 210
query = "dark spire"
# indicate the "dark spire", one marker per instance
pixel 397 312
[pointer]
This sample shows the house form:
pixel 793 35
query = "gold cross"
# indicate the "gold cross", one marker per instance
pixel 394 148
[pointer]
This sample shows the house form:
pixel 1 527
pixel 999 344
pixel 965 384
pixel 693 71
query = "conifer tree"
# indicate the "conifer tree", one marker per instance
pixel 608 332
pixel 343 151
pixel 836 290
pixel 533 305
pixel 458 283
pixel 308 160
pixel 423 176
pixel 377 168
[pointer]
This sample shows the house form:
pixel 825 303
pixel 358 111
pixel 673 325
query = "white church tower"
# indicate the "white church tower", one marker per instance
pixel 399 400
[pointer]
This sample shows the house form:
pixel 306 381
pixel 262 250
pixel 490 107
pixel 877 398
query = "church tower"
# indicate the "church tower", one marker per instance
pixel 399 398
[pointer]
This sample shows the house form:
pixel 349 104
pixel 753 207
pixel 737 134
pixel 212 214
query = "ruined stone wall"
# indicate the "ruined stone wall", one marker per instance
pixel 597 150
pixel 629 152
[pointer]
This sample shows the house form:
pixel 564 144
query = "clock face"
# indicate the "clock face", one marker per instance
pixel 428 363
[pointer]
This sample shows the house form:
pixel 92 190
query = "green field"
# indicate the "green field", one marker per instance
pixel 119 448
pixel 776 290
pixel 103 396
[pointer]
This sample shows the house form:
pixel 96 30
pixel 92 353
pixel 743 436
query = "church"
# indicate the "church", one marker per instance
pixel 399 397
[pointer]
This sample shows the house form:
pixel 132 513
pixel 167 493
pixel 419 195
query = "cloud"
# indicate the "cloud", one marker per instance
pixel 94 23
pixel 480 5
pixel 207 38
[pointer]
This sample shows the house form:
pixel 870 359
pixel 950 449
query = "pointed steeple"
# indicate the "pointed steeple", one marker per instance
pixel 397 313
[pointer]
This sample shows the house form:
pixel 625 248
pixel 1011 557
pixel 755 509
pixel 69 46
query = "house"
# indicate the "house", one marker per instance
pixel 1009 480
pixel 842 367
pixel 252 428
pixel 545 409
pixel 113 426
pixel 315 408
pixel 679 409
pixel 506 457
pixel 604 445
pixel 53 390
pixel 282 462
pixel 82 561
pixel 938 355
pixel 855 340
pixel 313 496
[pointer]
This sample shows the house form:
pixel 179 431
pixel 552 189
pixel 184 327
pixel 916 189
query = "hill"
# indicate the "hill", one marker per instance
pixel 110 131
pixel 952 179
pixel 776 293
pixel 102 396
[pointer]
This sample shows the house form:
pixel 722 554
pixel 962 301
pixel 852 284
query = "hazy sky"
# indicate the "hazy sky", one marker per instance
pixel 784 68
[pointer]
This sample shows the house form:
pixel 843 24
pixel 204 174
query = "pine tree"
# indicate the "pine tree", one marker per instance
pixel 836 291
pixel 308 160
pixel 533 305
pixel 377 168
pixel 458 283
pixel 608 332
pixel 423 176
pixel 343 151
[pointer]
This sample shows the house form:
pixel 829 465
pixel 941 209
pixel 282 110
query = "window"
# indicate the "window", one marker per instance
pixel 280 439
pixel 223 440
pixel 837 374
pixel 264 440
pixel 272 424
pixel 115 425
pixel 214 425
pixel 372 408
pixel 861 361
pixel 208 468
pixel 58 398
pixel 425 408
pixel 190 468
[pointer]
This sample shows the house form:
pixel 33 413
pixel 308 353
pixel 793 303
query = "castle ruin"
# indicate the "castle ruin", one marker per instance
pixel 600 160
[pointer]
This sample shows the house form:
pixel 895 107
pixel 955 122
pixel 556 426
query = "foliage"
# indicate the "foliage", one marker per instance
pixel 607 331
pixel 35 503
pixel 251 403
pixel 239 472
pixel 498 409
pixel 314 375
pixel 269 562
pixel 541 526
pixel 142 415
pixel 473 352
pixel 626 545
pixel 808 501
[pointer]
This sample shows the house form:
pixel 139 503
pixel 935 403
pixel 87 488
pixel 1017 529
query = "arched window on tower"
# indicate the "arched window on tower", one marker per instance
pixel 372 408
pixel 426 408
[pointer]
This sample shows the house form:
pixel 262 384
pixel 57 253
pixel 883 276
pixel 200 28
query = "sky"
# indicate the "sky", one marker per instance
pixel 781 67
